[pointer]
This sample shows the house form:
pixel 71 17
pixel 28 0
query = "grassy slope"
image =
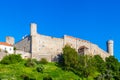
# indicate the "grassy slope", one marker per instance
pixel 14 71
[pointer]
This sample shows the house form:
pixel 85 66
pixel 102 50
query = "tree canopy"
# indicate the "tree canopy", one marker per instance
pixel 91 66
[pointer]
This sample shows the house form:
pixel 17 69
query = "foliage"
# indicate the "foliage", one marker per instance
pixel 47 78
pixel 86 67
pixel 40 69
pixel 11 59
pixel 35 61
pixel 6 51
pixel 70 57
pixel 112 63
pixel 76 67
pixel 18 71
pixel 15 49
pixel 43 61
pixel 26 77
pixel 30 63
pixel 99 63
pixel 90 66
pixel 79 64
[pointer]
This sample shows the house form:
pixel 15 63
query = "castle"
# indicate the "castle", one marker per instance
pixel 40 46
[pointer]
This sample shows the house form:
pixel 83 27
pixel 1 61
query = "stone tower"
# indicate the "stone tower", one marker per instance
pixel 33 29
pixel 10 40
pixel 110 48
pixel 33 34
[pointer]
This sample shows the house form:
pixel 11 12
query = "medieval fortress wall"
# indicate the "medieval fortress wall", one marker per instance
pixel 24 44
pixel 41 46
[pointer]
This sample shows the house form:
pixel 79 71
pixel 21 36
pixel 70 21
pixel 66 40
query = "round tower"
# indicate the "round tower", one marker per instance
pixel 110 47
pixel 33 29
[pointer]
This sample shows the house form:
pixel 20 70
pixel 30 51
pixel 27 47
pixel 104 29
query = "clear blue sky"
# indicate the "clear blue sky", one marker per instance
pixel 93 20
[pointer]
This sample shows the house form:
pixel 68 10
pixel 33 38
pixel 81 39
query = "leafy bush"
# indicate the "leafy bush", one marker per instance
pixel 43 61
pixel 47 78
pixel 40 69
pixel 30 63
pixel 26 77
pixel 6 51
pixel 11 59
pixel 35 61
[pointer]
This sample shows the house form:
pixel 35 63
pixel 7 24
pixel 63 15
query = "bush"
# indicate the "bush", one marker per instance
pixel 43 61
pixel 35 61
pixel 30 63
pixel 40 69
pixel 47 78
pixel 11 59
pixel 26 77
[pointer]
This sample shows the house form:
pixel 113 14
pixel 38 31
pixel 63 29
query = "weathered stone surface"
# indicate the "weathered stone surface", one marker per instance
pixel 41 46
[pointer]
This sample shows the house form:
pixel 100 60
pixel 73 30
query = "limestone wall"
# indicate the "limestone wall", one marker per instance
pixel 76 43
pixel 41 46
pixel 24 55
pixel 50 47
pixel 47 45
pixel 98 51
pixel 2 54
pixel 24 44
pixel 92 48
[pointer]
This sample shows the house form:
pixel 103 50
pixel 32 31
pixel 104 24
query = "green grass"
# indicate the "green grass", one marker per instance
pixel 14 72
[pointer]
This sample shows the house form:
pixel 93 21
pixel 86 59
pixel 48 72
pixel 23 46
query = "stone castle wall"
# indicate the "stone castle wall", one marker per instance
pixel 93 49
pixel 24 55
pixel 41 46
pixel 24 44
pixel 49 47
pixel 46 45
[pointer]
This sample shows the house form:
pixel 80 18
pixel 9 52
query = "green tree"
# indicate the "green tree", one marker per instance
pixel 88 67
pixel 70 57
pixel 114 66
pixel 99 63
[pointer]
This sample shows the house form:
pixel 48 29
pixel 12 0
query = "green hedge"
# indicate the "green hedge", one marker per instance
pixel 11 59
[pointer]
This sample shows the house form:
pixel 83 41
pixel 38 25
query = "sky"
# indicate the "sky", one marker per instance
pixel 94 20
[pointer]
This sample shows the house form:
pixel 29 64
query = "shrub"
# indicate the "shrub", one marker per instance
pixel 35 61
pixel 11 59
pixel 26 77
pixel 43 61
pixel 47 78
pixel 40 69
pixel 30 63
pixel 6 51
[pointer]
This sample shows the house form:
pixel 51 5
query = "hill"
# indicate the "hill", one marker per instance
pixel 18 71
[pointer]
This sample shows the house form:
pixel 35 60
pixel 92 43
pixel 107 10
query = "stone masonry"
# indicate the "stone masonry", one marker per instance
pixel 41 46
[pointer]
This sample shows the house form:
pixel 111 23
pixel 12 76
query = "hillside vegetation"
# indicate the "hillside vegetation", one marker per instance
pixel 20 72
pixel 71 66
